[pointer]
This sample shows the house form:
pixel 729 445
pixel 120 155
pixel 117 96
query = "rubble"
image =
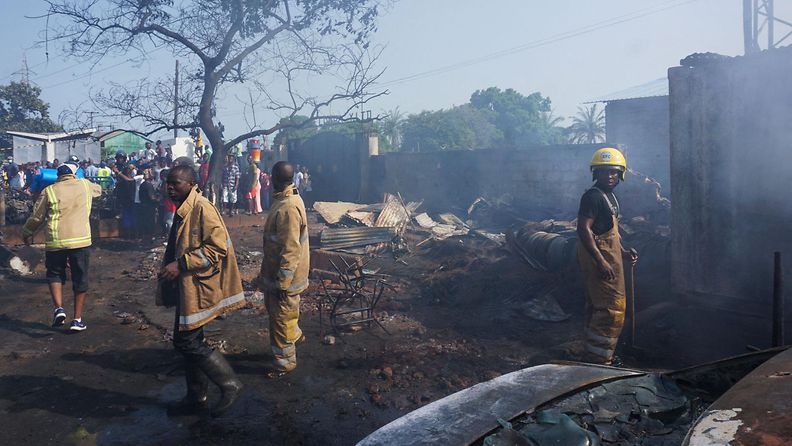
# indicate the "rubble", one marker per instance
pixel 18 207
pixel 22 262
pixel 630 411
pixel 336 238
pixel 333 212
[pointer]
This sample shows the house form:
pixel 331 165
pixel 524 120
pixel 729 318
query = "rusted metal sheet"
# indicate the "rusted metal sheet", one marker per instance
pixel 465 416
pixel 335 238
pixel 757 411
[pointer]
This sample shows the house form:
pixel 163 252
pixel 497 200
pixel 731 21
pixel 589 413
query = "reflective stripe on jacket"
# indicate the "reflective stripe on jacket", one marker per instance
pixel 286 259
pixel 65 206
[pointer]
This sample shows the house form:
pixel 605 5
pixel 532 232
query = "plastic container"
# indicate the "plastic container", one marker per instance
pixel 47 177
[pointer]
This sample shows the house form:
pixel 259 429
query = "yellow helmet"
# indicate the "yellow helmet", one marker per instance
pixel 608 157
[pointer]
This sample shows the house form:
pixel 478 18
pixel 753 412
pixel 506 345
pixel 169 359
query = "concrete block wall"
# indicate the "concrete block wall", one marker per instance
pixel 641 127
pixel 731 167
pixel 541 182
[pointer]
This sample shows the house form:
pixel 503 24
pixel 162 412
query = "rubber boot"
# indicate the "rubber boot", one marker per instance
pixel 220 372
pixel 197 398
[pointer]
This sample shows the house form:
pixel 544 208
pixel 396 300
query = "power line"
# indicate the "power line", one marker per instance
pixel 38 78
pixel 542 42
pixel 537 43
pixel 91 73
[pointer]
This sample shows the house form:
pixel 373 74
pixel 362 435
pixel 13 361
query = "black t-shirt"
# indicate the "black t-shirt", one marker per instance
pixel 594 205
pixel 148 196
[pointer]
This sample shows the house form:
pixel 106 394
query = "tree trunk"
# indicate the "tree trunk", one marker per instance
pixel 213 135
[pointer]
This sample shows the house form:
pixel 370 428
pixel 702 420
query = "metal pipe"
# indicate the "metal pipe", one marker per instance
pixel 778 301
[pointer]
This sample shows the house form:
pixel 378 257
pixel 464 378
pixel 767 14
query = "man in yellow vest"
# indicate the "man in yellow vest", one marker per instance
pixel 600 253
pixel 104 173
pixel 65 207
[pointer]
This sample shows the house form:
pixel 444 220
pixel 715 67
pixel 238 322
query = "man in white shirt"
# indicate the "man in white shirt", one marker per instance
pixel 297 179
pixel 90 169
pixel 150 154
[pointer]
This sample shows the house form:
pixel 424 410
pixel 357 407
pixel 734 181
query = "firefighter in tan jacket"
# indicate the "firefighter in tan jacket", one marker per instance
pixel 284 269
pixel 65 207
pixel 201 279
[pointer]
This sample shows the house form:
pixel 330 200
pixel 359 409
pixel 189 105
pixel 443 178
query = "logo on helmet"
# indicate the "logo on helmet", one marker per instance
pixel 605 156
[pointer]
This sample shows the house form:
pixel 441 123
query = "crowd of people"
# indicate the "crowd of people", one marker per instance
pixel 136 184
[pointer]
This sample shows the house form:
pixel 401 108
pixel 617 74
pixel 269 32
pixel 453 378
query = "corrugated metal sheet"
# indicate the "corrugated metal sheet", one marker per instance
pixel 364 218
pixel 333 212
pixel 393 215
pixel 396 213
pixel 334 238
pixel 657 87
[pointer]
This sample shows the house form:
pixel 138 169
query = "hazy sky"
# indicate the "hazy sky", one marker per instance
pixel 569 50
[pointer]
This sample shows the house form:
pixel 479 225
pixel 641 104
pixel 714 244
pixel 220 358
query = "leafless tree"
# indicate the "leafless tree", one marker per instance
pixel 223 42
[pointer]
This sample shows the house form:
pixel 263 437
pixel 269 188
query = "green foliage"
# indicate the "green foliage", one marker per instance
pixel 494 118
pixel 461 127
pixel 390 131
pixel 22 110
pixel 304 128
pixel 588 126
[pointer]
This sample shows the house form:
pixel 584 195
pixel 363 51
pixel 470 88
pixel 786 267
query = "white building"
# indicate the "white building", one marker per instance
pixel 32 147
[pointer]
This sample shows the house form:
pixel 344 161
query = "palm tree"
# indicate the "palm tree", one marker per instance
pixel 390 126
pixel 549 120
pixel 588 126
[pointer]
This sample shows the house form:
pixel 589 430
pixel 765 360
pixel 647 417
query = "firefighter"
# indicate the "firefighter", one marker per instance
pixel 600 255
pixel 201 279
pixel 65 206
pixel 284 270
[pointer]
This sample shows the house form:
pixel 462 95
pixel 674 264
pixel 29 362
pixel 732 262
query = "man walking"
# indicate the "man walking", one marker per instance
pixel 600 252
pixel 284 270
pixel 230 183
pixel 65 206
pixel 201 279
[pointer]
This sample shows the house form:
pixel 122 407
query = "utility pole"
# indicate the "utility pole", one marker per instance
pixel 759 18
pixel 176 102
pixel 24 72
pixel 90 118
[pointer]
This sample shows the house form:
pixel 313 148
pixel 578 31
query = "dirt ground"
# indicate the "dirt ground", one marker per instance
pixel 456 318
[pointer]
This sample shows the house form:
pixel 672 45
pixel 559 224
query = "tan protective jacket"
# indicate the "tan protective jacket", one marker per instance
pixel 66 208
pixel 286 260
pixel 210 283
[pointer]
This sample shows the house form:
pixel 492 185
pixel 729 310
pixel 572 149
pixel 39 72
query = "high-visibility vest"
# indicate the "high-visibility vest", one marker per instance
pixel 64 208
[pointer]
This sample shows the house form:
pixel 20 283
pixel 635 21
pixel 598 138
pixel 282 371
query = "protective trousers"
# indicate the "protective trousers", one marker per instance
pixel 284 331
pixel 605 299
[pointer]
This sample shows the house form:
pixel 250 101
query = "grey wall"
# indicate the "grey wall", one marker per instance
pixel 731 147
pixel 641 127
pixel 542 181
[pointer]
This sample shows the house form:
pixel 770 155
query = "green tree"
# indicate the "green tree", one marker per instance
pixel 494 118
pixel 22 109
pixel 297 127
pixel 588 126
pixel 460 128
pixel 520 118
pixel 390 129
